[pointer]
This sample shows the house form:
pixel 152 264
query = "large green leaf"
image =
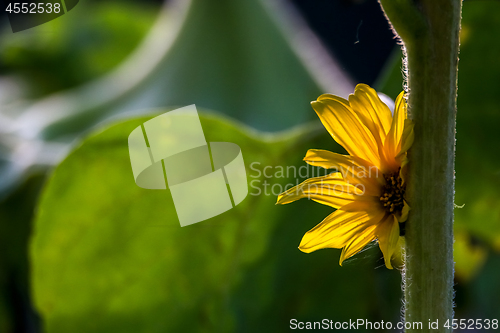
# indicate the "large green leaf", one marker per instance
pixel 109 256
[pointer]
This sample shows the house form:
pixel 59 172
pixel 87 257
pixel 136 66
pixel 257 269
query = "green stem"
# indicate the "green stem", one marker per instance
pixel 429 30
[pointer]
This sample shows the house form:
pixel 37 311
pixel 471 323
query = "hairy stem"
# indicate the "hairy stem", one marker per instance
pixel 429 30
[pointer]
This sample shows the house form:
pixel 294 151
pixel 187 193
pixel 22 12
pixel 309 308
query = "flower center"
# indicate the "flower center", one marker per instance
pixel 394 190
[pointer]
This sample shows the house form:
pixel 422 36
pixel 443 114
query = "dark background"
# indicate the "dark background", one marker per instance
pixel 38 64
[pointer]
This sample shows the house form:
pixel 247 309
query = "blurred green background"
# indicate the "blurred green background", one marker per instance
pixel 83 249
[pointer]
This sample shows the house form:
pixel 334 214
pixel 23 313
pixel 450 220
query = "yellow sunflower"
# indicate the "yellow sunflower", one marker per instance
pixel 368 186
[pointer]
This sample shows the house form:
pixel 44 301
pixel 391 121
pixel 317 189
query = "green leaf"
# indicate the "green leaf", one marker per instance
pixel 108 256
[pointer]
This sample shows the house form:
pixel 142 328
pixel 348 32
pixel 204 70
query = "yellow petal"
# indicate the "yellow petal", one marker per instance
pixel 406 138
pixel 404 212
pixel 403 160
pixel 355 170
pixel 388 234
pixel 371 110
pixel 398 255
pixel 346 128
pixel 335 231
pixel 397 126
pixel 331 190
pixel 369 204
pixel 357 244
pixel 329 160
